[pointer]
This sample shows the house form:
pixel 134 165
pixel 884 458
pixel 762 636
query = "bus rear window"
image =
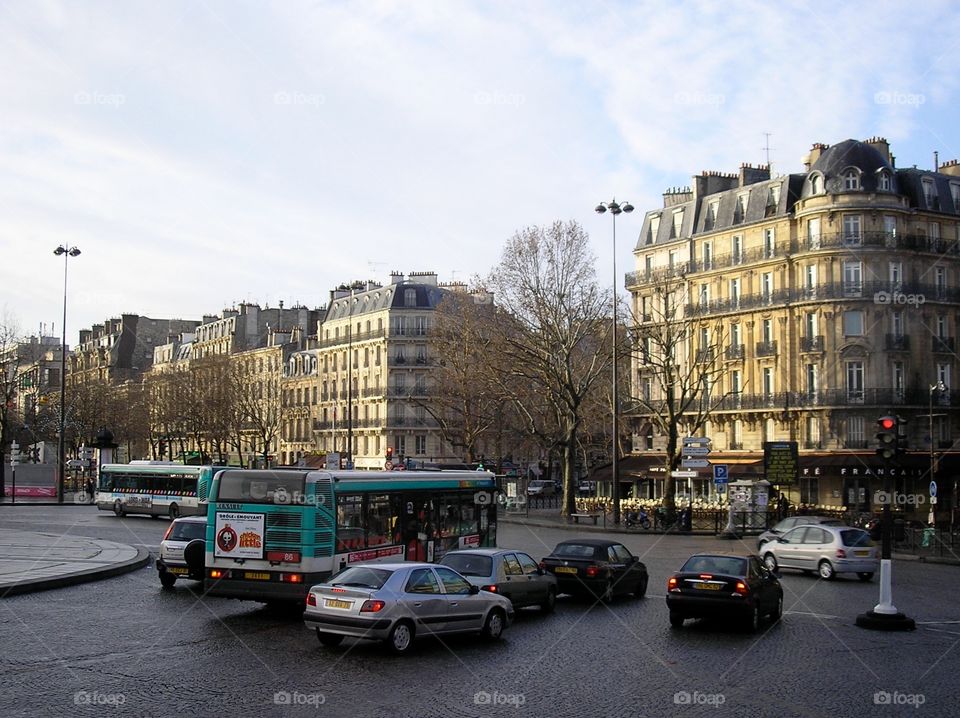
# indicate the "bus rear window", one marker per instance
pixel 261 489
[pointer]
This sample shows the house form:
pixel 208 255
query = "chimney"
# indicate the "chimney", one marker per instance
pixel 751 175
pixel 811 159
pixel 881 145
pixel 424 278
pixel 951 167
pixel 677 195
pixel 396 277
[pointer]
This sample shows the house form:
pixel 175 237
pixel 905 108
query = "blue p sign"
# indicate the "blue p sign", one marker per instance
pixel 720 472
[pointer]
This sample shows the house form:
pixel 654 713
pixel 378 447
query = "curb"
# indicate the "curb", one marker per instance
pixel 571 526
pixel 84 576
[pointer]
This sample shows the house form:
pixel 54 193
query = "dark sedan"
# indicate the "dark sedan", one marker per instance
pixel 718 586
pixel 596 567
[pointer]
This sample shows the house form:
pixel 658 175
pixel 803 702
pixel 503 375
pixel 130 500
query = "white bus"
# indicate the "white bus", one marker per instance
pixel 157 489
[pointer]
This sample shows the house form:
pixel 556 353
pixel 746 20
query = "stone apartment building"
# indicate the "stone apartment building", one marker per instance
pixel 835 292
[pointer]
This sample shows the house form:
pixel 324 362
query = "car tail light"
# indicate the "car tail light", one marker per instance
pixel 706 576
pixel 492 588
pixel 592 571
pixel 339 590
pixel 168 532
pixel 217 573
pixel 372 606
pixel 742 588
pixel 672 584
pixel 841 553
pixel 543 566
pixel 311 599
pixel 291 578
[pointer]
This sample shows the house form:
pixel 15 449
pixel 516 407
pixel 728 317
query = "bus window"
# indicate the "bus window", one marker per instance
pixel 350 523
pixel 275 489
pixel 189 486
pixel 381 520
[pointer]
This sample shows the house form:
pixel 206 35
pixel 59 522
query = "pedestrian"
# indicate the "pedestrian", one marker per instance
pixel 783 506
pixel 90 490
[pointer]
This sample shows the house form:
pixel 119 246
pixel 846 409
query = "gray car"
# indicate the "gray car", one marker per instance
pixel 791 523
pixel 828 550
pixel 396 602
pixel 510 573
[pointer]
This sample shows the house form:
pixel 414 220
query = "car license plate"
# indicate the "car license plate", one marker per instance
pixel 565 569
pixel 257 575
pixel 861 553
pixel 707 586
pixel 336 603
pixel 179 571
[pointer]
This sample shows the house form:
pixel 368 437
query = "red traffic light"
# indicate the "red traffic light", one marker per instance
pixel 887 423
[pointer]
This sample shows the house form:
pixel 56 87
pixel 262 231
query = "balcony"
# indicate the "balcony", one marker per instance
pixel 897 343
pixel 705 356
pixel 734 352
pixel 811 344
pixel 766 349
pixel 943 344
pixel 736 446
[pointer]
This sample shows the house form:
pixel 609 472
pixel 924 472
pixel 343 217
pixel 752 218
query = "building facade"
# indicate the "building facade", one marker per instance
pixel 824 300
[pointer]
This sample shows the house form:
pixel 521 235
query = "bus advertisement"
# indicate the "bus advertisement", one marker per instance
pixel 154 488
pixel 273 534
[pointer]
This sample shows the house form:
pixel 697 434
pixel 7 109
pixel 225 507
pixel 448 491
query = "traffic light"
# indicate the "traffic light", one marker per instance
pixel 888 437
pixel 389 453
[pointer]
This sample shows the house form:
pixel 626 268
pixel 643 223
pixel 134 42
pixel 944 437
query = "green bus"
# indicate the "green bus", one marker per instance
pixel 271 534
pixel 155 488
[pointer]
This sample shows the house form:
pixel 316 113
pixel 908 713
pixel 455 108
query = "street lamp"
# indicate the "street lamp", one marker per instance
pixel 67 252
pixel 615 208
pixel 939 387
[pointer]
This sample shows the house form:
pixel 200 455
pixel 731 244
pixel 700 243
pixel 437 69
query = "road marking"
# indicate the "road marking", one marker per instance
pixel 808 613
pixel 940 630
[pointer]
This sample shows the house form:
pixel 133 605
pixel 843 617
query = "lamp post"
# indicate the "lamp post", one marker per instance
pixel 67 252
pixel 938 387
pixel 615 208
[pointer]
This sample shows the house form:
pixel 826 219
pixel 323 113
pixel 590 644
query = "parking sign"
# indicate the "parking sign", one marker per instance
pixel 720 473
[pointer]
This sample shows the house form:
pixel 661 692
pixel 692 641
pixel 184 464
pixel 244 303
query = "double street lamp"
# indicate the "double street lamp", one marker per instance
pixel 615 208
pixel 939 388
pixel 67 252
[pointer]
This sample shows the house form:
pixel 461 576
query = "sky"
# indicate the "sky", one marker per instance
pixel 203 153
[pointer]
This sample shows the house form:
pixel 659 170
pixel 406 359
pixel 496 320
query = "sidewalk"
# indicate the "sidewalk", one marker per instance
pixel 69 498
pixel 37 561
pixel 550 518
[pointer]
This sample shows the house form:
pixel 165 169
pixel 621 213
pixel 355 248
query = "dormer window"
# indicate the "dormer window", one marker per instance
pixel 851 180
pixel 677 224
pixel 653 229
pixel 930 194
pixel 883 181
pixel 816 185
pixel 711 218
pixel 740 211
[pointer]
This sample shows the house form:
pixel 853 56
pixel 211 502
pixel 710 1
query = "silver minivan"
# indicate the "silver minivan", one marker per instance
pixel 828 550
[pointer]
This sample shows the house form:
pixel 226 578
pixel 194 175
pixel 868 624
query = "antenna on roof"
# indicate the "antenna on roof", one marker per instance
pixel 766 148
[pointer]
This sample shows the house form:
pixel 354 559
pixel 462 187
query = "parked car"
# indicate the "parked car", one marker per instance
pixel 512 574
pixel 587 488
pixel 792 522
pixel 541 487
pixel 828 550
pixel 396 602
pixel 596 567
pixel 717 586
pixel 182 550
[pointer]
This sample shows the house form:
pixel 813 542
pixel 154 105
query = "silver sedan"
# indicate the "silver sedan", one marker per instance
pixel 510 573
pixel 396 602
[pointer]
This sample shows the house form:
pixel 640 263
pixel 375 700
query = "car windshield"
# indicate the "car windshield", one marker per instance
pixel 728 565
pixel 575 550
pixel 855 537
pixel 188 531
pixel 468 564
pixel 361 577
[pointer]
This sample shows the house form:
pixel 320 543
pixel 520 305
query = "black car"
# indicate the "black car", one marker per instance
pixel 717 586
pixel 596 567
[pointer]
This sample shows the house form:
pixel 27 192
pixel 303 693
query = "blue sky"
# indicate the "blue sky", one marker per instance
pixel 205 153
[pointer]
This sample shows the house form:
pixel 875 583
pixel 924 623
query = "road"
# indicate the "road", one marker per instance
pixel 124 646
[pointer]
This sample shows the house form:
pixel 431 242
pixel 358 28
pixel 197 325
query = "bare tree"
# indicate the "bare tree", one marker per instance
pixel 555 342
pixel 679 364
pixel 11 359
pixel 259 411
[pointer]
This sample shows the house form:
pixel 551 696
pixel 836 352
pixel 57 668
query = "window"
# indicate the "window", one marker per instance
pixel 769 242
pixel 896 323
pixel 855 430
pixel 852 229
pixel 810 279
pixel 399 326
pixel 816 184
pixel 736 434
pixel 672 260
pixel 852 278
pixel 648 265
pixel 955 194
pixel 767 329
pixel 898 380
pixel 933 232
pixel 773 201
pixel 896 276
pixel 766 285
pixel 707 253
pixel 768 382
pixel 736 382
pixel 735 292
pixel 851 180
pixel 883 181
pixel 813 233
pixel 889 230
pixel 810 322
pixel 645 309
pixel 422 580
pixel 653 229
pixel 420 441
pixel 647 385
pixel 943 375
pixel 855 381
pixel 812 383
pixel 853 323
pixel 711 218
pixel 941 326
pixel 736 248
pixel 740 210
pixel 930 194
pixel 735 335
pixel 940 281
pixel 704 295
pixel 704 339
pixel 409 297
pixel 675 229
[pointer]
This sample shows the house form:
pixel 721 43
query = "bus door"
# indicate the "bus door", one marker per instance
pixel 418 526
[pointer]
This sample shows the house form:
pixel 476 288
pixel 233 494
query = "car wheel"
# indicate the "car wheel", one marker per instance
pixel 641 589
pixel 865 576
pixel 167 579
pixel 118 507
pixel 777 611
pixel 770 561
pixel 174 511
pixel 330 640
pixel 493 628
pixel 550 602
pixel 401 637
pixel 676 620
pixel 607 594
pixel 826 570
pixel 753 620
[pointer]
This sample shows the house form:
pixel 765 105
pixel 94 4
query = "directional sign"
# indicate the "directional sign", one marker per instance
pixel 721 472
pixel 695 440
pixel 695 450
pixel 684 474
pixel 695 463
pixel 933 489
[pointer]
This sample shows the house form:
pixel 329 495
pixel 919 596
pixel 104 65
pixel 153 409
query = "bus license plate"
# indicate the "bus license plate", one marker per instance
pixel 179 571
pixel 565 569
pixel 257 575
pixel 708 586
pixel 336 603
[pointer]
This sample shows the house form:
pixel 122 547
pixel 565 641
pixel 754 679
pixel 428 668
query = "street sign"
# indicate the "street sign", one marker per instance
pixel 721 487
pixel 695 463
pixel 388 465
pixel 684 474
pixel 14 453
pixel 721 472
pixel 933 489
pixel 696 441
pixel 695 451
pixel 933 500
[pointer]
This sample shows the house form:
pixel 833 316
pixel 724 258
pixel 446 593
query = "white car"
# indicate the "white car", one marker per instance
pixel 541 487
pixel 176 559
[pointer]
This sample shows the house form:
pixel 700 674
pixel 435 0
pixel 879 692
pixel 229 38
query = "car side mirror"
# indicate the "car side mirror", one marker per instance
pixel 474 590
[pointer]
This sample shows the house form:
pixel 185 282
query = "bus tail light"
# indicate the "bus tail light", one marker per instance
pixel 311 599
pixel 372 606
pixel 217 573
pixel 291 578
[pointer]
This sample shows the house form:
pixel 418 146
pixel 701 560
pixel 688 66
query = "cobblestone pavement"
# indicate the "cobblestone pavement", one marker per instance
pixel 125 646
